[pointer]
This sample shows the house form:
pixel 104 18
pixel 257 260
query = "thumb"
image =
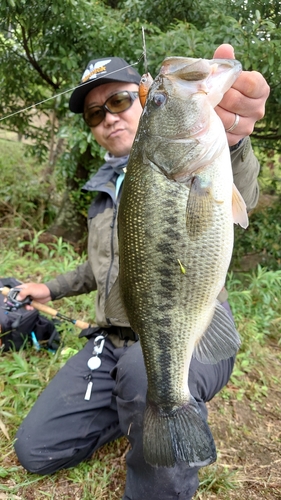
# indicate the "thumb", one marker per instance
pixel 224 51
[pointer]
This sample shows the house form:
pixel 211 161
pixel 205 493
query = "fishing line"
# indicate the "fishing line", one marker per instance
pixel 144 49
pixel 66 91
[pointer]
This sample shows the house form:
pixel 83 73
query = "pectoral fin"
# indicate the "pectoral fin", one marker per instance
pixel 220 341
pixel 200 207
pixel 239 209
pixel 114 309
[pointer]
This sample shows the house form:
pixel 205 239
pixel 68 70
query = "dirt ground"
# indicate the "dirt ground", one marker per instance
pixel 248 436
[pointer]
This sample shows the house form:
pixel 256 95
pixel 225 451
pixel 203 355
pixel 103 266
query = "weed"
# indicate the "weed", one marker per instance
pixel 216 479
pixel 254 299
pixel 255 303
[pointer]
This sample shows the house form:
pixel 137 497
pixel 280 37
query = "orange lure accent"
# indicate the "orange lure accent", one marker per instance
pixel 145 84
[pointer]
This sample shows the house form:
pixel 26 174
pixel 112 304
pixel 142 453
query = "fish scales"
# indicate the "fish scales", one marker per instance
pixel 175 226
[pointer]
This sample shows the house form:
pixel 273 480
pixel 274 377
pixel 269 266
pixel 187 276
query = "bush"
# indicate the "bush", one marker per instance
pixel 25 200
pixel 262 238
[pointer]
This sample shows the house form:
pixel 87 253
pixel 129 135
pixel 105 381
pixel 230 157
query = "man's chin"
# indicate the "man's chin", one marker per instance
pixel 119 150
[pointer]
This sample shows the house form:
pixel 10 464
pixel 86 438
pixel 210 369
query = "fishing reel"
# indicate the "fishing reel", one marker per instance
pixel 12 303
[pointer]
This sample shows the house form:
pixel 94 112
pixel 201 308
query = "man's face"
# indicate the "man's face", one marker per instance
pixel 116 132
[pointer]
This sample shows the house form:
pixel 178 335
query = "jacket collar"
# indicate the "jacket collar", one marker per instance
pixel 106 174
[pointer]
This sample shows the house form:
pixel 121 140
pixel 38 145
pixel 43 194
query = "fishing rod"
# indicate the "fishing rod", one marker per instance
pixel 15 304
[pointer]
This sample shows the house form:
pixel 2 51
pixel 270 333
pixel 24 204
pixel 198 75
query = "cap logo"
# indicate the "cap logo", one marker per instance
pixel 93 70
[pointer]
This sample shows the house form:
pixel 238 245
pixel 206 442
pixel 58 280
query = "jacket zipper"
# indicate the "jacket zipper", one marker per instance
pixel 112 226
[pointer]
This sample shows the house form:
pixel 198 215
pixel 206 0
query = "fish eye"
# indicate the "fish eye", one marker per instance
pixel 159 99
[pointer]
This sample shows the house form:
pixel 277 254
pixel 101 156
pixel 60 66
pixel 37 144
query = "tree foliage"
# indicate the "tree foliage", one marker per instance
pixel 45 45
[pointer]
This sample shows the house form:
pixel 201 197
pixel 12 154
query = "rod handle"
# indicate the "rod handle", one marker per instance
pixel 49 310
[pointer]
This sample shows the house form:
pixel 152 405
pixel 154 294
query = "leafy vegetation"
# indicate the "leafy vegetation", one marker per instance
pixel 43 52
pixel 262 239
pixel 25 200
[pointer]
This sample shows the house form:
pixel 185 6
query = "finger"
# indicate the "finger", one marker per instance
pixel 29 308
pixel 252 84
pixel 224 51
pixel 244 127
pixel 235 102
pixel 23 292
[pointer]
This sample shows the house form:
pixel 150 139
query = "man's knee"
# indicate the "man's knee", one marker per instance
pixel 41 460
pixel 205 381
pixel 37 455
pixel 29 460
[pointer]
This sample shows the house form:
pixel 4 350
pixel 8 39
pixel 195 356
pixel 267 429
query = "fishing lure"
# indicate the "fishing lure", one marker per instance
pixel 145 84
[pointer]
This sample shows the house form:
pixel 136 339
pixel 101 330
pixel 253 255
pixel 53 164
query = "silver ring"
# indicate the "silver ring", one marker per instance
pixel 234 125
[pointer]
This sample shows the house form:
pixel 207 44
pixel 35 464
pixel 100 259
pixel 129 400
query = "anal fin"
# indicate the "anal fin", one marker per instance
pixel 220 341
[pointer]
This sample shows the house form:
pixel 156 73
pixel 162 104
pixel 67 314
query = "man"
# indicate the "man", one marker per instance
pixel 100 393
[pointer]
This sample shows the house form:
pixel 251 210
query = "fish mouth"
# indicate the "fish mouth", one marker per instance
pixel 202 75
pixel 191 69
pixel 185 68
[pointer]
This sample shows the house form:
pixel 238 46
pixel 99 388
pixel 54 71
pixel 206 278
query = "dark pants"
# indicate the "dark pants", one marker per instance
pixel 62 428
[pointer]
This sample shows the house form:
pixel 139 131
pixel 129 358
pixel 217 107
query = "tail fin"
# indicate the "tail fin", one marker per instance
pixel 181 435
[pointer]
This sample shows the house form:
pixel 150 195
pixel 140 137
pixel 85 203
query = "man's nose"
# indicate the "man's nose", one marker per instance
pixel 110 118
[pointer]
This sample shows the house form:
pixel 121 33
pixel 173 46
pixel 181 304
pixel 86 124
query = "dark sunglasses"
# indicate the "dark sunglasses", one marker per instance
pixel 121 101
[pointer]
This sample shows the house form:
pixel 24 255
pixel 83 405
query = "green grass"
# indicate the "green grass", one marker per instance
pixel 216 479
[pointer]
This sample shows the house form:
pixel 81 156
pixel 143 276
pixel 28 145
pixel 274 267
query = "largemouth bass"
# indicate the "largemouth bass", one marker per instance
pixel 175 225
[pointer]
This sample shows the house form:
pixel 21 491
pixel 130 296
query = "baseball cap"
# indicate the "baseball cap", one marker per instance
pixel 98 72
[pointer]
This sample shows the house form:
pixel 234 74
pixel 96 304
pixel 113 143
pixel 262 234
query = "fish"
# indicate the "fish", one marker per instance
pixel 175 230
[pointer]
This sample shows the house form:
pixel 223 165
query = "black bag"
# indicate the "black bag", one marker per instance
pixel 21 327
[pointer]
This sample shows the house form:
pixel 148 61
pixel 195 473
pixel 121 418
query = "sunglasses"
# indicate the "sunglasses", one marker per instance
pixel 117 103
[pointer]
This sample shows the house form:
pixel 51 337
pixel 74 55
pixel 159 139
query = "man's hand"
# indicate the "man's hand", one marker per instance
pixel 246 98
pixel 37 291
